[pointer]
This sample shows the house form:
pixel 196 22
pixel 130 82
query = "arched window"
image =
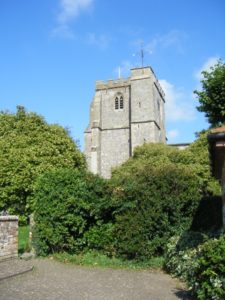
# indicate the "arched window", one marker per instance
pixel 116 103
pixel 121 102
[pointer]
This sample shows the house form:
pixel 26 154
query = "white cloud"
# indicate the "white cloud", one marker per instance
pixel 69 10
pixel 173 38
pixel 63 31
pixel 101 41
pixel 173 134
pixel 211 61
pixel 179 105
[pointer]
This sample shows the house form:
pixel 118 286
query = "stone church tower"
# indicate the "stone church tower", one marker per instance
pixel 124 113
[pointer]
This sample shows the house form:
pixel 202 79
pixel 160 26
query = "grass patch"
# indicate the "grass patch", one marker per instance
pixel 23 239
pixel 93 258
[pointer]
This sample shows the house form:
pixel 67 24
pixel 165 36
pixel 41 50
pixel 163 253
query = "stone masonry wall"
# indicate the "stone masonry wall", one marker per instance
pixel 8 237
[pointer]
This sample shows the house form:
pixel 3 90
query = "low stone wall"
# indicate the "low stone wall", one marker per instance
pixel 8 237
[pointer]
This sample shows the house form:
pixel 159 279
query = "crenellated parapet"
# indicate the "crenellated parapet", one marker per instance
pixel 109 84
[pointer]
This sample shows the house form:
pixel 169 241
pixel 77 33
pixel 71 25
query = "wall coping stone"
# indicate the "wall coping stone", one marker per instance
pixel 8 218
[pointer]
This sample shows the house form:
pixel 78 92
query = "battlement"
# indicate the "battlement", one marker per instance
pixel 102 85
pixel 142 72
pixel 136 74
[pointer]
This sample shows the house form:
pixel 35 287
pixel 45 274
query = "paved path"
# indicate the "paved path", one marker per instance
pixel 14 267
pixel 51 280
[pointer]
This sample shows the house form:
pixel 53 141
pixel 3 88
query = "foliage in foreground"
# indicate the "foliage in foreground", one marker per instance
pixel 29 147
pixel 68 203
pixel 200 261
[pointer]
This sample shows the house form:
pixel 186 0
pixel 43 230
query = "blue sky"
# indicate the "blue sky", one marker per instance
pixel 52 51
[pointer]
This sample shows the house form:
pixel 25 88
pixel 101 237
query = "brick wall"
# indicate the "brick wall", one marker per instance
pixel 8 237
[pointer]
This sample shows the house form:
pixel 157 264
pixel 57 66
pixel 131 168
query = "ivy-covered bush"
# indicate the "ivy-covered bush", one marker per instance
pixel 200 261
pixel 181 252
pixel 152 203
pixel 68 203
pixel 208 278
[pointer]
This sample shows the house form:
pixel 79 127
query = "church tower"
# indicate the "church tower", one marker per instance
pixel 124 113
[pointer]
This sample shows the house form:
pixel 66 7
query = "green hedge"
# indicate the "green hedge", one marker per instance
pixel 152 203
pixel 68 203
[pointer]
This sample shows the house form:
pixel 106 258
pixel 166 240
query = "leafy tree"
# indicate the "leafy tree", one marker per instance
pixel 29 147
pixel 212 96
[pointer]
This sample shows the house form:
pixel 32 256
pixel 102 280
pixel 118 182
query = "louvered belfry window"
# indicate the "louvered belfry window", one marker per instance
pixel 119 104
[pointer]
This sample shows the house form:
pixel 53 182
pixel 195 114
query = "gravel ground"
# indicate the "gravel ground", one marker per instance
pixel 54 280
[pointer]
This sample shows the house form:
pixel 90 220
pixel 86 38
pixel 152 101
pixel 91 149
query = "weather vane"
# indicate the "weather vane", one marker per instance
pixel 141 54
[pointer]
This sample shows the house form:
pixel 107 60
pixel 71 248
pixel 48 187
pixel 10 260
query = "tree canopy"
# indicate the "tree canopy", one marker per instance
pixel 212 95
pixel 29 146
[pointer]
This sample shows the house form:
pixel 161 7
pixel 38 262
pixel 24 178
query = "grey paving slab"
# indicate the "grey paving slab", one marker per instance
pixel 53 280
pixel 14 267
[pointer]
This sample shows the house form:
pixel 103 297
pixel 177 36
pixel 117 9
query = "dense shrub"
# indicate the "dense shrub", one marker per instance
pixel 195 156
pixel 200 261
pixel 68 203
pixel 152 203
pixel 100 237
pixel 199 155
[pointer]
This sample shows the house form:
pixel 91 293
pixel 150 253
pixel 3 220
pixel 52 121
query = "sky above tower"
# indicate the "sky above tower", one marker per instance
pixel 53 51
